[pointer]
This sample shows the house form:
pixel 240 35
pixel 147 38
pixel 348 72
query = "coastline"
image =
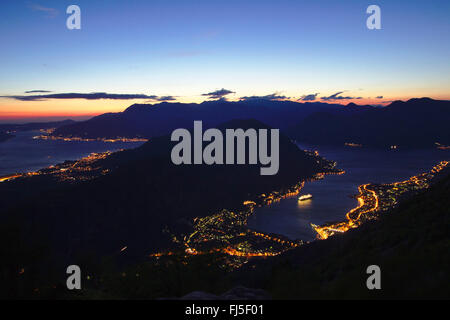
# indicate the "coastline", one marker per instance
pixel 226 232
pixel 212 234
pixel 23 154
pixel 375 198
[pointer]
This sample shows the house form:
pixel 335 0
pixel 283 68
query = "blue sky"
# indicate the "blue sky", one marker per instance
pixel 187 48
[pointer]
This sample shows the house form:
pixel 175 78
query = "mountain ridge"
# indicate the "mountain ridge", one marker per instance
pixel 418 122
pixel 150 120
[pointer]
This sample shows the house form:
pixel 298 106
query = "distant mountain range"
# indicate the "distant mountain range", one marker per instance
pixel 34 125
pixel 414 123
pixel 146 120
pixel 6 130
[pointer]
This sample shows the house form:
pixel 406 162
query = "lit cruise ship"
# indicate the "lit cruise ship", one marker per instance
pixel 305 197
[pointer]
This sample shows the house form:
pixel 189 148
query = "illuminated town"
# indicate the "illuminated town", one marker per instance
pixel 47 134
pixel 441 146
pixel 84 169
pixel 351 144
pixel 227 232
pixel 373 199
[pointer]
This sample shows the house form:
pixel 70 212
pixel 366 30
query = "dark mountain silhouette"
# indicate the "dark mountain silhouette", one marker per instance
pixel 143 194
pixel 146 120
pixel 414 123
pixel 34 125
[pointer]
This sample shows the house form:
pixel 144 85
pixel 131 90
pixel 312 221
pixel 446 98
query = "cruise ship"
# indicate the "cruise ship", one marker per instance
pixel 305 197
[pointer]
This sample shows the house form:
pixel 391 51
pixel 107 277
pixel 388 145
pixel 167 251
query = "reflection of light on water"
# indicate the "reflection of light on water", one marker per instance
pixel 305 204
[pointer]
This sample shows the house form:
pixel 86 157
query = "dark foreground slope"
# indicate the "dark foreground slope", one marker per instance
pixel 415 123
pixel 142 196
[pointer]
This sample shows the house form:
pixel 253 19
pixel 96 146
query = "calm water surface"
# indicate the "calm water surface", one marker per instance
pixel 23 153
pixel 331 196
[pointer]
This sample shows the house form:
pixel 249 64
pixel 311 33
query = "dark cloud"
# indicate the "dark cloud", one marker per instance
pixel 37 91
pixel 273 96
pixel 309 97
pixel 337 96
pixel 167 98
pixel 218 94
pixel 380 97
pixel 86 96
pixel 162 99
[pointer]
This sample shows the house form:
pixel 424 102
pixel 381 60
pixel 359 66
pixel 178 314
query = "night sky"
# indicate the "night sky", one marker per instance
pixel 183 50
